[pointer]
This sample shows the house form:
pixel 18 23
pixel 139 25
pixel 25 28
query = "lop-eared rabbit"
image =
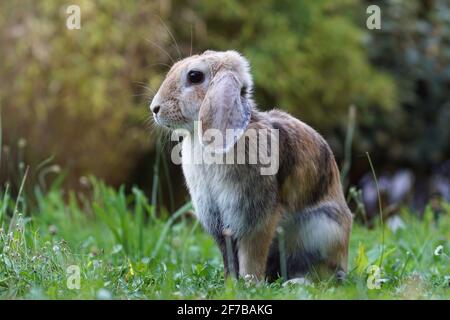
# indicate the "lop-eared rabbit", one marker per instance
pixel 244 210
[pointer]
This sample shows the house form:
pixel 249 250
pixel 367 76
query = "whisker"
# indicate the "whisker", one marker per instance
pixel 148 120
pixel 165 136
pixel 171 35
pixel 160 48
pixel 190 52
pixel 148 97
pixel 140 82
pixel 144 86
pixel 160 64
pixel 150 124
pixel 143 94
pixel 147 90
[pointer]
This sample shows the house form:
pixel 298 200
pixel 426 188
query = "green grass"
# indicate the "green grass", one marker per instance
pixel 125 252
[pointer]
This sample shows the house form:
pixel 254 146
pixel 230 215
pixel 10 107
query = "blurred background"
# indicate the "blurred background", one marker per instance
pixel 74 103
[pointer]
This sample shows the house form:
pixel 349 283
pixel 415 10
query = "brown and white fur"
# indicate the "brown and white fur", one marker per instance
pixel 304 197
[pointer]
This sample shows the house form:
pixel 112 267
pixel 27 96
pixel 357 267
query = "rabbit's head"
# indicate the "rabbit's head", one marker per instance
pixel 212 89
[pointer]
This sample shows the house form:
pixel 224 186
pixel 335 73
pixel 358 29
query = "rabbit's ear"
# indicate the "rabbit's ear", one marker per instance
pixel 226 109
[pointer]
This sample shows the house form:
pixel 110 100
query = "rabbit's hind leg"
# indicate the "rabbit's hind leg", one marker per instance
pixel 325 230
pixel 316 244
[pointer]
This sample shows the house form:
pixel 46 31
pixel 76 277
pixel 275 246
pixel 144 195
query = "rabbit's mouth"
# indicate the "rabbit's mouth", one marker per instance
pixel 161 122
pixel 158 122
pixel 161 118
pixel 168 114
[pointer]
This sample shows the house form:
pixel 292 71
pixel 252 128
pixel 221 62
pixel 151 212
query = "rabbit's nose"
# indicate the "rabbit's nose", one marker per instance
pixel 156 109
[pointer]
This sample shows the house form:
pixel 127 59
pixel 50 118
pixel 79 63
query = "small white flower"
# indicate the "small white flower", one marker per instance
pixel 22 143
pixel 53 229
pixel 250 280
pixel 439 250
pixel 116 249
pixel 396 223
pixel 97 263
pixel 104 294
pixel 297 282
pixel 55 168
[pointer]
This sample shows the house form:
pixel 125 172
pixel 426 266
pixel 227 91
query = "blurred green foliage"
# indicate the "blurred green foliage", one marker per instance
pixel 72 93
pixel 414 46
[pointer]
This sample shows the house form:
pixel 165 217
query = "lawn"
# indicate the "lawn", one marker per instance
pixel 122 250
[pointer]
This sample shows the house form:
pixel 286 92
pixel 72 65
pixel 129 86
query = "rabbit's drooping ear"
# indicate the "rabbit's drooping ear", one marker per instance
pixel 226 109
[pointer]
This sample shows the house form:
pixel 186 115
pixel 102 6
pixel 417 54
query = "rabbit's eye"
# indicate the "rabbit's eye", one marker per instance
pixel 195 77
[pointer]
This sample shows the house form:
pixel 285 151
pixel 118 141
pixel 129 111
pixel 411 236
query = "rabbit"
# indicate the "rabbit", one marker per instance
pixel 245 211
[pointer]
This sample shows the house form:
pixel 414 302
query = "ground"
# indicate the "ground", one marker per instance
pixel 122 250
